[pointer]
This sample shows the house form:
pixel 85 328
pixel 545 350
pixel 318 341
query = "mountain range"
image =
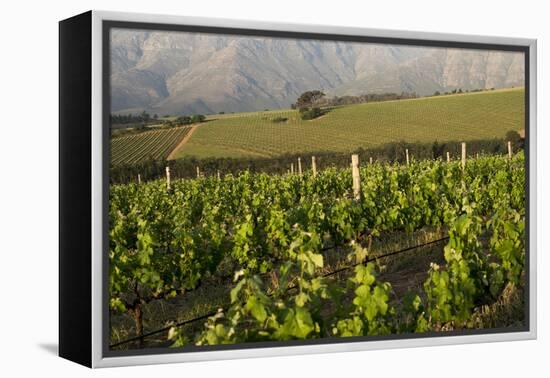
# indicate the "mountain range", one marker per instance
pixel 189 73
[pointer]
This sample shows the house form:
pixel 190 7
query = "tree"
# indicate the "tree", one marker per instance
pixel 515 139
pixel 197 118
pixel 308 99
pixel 145 117
pixel 183 120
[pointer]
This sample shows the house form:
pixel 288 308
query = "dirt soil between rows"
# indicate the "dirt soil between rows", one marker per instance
pixel 183 141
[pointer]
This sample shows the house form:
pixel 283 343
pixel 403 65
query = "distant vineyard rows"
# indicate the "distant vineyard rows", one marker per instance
pixel 151 145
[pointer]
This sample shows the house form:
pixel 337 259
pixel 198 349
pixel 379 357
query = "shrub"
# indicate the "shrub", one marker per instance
pixel 279 119
pixel 310 113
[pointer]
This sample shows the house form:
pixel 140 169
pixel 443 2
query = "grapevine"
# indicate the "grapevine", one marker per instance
pixel 166 241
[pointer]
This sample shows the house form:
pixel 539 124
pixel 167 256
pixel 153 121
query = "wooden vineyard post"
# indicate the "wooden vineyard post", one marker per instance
pixel 300 166
pixel 168 177
pixel 509 150
pixel 448 157
pixel 463 155
pixel 407 155
pixel 198 172
pixel 292 168
pixel 218 174
pixel 356 177
pixel 139 179
pixel 313 166
pixel 370 160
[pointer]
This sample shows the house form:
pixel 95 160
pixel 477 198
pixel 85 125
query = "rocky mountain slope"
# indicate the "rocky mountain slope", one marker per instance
pixel 183 73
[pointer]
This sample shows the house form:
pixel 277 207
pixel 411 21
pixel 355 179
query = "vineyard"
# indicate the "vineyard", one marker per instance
pixel 294 256
pixel 149 145
pixel 464 117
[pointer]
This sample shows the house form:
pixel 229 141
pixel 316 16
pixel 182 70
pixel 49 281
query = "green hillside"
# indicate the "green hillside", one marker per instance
pixel 465 117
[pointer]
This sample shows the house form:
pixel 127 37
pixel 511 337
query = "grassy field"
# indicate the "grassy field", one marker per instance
pixel 455 117
pixel 154 145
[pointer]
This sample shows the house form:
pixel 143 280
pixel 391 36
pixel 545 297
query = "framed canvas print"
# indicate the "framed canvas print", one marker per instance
pixel 234 189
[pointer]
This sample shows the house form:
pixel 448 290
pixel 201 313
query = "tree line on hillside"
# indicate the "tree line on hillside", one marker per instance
pixel 370 97
pixel 318 98
pixel 459 90
pixel 313 104
pixel 391 152
pixel 125 119
pixel 145 118
pixel 185 120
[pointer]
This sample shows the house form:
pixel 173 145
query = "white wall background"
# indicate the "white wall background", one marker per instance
pixel 28 198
